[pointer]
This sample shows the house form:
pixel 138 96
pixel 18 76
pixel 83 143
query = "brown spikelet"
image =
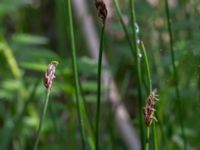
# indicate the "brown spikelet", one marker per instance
pixel 149 108
pixel 102 10
pixel 49 76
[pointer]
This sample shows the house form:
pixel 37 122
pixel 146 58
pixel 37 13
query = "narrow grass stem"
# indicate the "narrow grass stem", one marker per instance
pixel 41 120
pixel 146 63
pixel 135 53
pixel 123 25
pixel 99 87
pixel 88 122
pixel 147 138
pixel 154 136
pixel 138 71
pixel 75 70
pixel 175 74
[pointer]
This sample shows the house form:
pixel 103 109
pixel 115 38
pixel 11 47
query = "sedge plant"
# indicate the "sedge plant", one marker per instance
pixel 147 67
pixel 83 116
pixel 175 74
pixel 102 13
pixel 48 82
pixel 150 90
pixel 135 52
pixel 75 71
pixel 138 70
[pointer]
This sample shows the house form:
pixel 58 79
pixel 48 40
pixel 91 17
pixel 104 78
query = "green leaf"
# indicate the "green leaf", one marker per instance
pixel 30 39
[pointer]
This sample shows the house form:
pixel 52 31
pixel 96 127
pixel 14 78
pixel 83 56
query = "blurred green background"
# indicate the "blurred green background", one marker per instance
pixel 34 32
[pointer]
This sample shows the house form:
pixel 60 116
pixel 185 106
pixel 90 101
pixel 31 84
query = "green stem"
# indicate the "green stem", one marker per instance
pixel 99 87
pixel 90 128
pixel 134 51
pixel 75 70
pixel 154 136
pixel 147 138
pixel 138 71
pixel 146 63
pixel 147 66
pixel 42 119
pixel 123 25
pixel 175 74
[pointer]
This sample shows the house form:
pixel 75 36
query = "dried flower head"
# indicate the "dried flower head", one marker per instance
pixel 102 10
pixel 49 76
pixel 149 108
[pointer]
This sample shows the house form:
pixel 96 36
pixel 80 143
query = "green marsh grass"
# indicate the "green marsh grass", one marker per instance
pixel 86 129
pixel 75 70
pixel 102 14
pixel 49 78
pixel 119 14
pixel 135 52
pixel 99 87
pixel 144 55
pixel 147 67
pixel 138 71
pixel 175 74
pixel 41 120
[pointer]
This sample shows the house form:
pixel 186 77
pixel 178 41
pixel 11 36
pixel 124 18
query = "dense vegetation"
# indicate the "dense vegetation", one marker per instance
pixel 148 44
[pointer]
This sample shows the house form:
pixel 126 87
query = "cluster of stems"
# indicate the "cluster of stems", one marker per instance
pixel 135 51
pixel 134 47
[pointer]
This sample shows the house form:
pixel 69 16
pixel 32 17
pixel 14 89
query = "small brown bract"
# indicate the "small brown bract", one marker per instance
pixel 149 108
pixel 49 76
pixel 102 10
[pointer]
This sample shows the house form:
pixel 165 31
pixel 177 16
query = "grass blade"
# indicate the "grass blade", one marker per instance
pixel 175 74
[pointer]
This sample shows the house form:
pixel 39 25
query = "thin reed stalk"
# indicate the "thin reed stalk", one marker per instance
pixel 102 14
pixel 119 13
pixel 146 63
pixel 75 71
pixel 99 87
pixel 175 74
pixel 42 119
pixel 154 136
pixel 88 122
pixel 147 138
pixel 138 71
pixel 49 77
pixel 135 53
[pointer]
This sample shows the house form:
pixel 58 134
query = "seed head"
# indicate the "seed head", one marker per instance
pixel 102 10
pixel 49 76
pixel 149 108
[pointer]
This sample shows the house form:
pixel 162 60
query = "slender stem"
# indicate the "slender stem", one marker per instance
pixel 154 136
pixel 175 74
pixel 99 87
pixel 138 70
pixel 123 25
pixel 134 51
pixel 41 120
pixel 147 138
pixel 75 70
pixel 146 62
pixel 88 122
